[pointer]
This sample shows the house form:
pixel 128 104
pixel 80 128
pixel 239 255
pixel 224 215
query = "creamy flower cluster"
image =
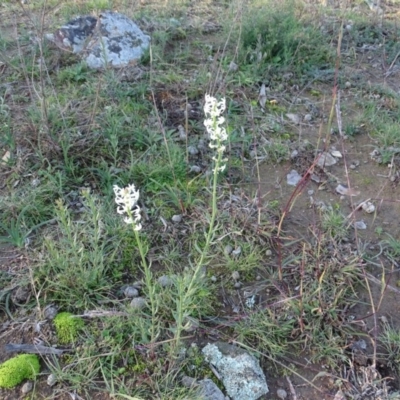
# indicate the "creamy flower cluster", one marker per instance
pixel 217 133
pixel 127 199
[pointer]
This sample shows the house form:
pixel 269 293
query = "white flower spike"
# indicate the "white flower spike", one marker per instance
pixel 217 133
pixel 126 199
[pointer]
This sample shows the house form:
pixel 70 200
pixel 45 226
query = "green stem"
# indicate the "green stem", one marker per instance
pixel 188 292
pixel 149 284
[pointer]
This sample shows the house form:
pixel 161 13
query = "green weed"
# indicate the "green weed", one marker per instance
pixel 334 225
pixel 281 36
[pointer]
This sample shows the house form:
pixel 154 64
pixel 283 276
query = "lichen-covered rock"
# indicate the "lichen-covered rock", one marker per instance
pixel 209 390
pixel 240 372
pixel 16 369
pixel 111 40
pixel 67 327
pixel 206 388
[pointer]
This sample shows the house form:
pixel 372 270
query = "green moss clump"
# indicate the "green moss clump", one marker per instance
pixel 67 327
pixel 16 369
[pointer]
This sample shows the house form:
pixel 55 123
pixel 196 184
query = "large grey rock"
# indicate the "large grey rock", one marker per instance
pixel 112 39
pixel 240 372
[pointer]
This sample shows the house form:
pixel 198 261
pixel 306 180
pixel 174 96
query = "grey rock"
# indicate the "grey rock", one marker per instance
pixel 193 150
pixel 235 275
pixel 361 225
pixel 294 154
pixel 131 292
pixel 233 67
pixel 209 390
pixel 293 178
pixel 237 251
pixel 138 303
pixel 281 393
pixel 27 387
pixel 195 168
pixel 326 160
pixel 240 372
pixel 164 281
pixel 228 249
pixel 35 182
pixel 110 40
pixel 176 218
pixel 51 380
pixel 50 311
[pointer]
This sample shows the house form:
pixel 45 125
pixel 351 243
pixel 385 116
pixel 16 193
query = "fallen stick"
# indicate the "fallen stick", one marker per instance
pixel 33 349
pixel 292 391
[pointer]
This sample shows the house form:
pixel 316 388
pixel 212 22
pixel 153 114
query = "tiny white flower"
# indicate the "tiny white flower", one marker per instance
pixel 126 199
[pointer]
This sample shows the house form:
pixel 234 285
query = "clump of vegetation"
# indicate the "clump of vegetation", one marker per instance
pixel 279 36
pixel 390 339
pixel 67 327
pixel 16 369
pixel 216 241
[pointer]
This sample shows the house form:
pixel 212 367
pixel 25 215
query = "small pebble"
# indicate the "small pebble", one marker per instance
pixel 258 278
pixel 281 393
pixel 237 251
pixel 368 207
pixel 307 117
pixel 176 218
pixel 235 275
pixel 360 225
pixel 237 285
pixel 352 166
pixel 164 281
pixel 27 387
pixel 35 182
pixel 131 292
pixel 347 84
pixel 195 168
pixel 228 249
pixel 50 312
pixel 138 303
pixel 268 253
pixel 192 150
pixel 233 67
pixel 51 380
